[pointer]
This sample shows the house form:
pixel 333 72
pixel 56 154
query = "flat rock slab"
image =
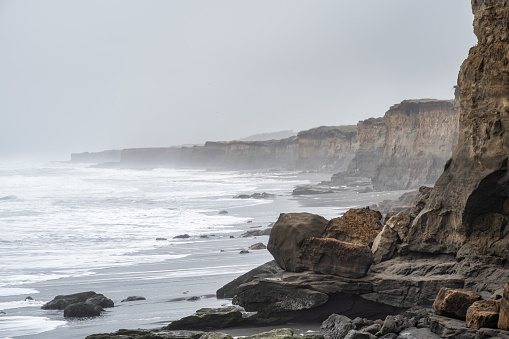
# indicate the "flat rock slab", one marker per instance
pixel 331 256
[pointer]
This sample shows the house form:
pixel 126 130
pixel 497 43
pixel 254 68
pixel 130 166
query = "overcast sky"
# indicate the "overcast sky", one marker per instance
pixel 91 75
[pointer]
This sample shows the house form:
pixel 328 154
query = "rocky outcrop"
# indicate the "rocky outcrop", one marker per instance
pixel 468 210
pixel 503 321
pixel 420 136
pixel 357 226
pixel 288 234
pixel 79 305
pixel 331 256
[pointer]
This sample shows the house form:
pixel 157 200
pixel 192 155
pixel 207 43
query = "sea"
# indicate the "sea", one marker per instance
pixel 69 227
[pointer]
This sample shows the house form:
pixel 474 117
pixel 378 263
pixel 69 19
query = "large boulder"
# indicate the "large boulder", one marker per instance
pixel 357 226
pixel 483 313
pixel 454 303
pixel 331 256
pixel 288 234
pixel 393 233
pixel 503 321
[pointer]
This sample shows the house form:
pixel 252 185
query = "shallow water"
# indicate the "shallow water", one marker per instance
pixel 67 228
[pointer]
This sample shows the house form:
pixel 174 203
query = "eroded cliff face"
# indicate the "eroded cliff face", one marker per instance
pixel 419 138
pixel 326 148
pixel 371 140
pixel 322 148
pixel 468 210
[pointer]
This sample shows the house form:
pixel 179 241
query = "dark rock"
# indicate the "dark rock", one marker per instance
pixel 182 236
pixel 149 334
pixel 161 239
pixel 497 295
pixel 29 298
pixel 331 256
pixel 503 321
pixel 60 302
pixel 82 310
pixel 257 246
pixel 100 300
pixel 357 226
pixel 244 252
pixel 133 298
pixel 454 303
pixel 195 298
pixel 208 318
pixel 269 297
pixel 232 237
pixel 373 329
pixel 252 233
pixel 288 234
pixel 263 271
pixel 336 327
pixel 483 313
pixel 223 212
pixel 204 236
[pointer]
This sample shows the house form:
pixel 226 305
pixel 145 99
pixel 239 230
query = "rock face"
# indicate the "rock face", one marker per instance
pixel 454 303
pixel 420 136
pixel 468 210
pixel 288 234
pixel 331 256
pixel 357 226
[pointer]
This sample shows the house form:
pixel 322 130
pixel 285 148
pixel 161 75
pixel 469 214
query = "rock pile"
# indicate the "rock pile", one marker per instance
pixel 79 305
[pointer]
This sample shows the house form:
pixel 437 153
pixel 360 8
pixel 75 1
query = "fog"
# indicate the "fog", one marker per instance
pixel 89 75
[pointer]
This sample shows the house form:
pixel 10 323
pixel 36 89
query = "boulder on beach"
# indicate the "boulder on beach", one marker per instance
pixel 257 246
pixel 483 313
pixel 60 302
pixel 357 226
pixel 331 256
pixel 82 310
pixel 454 303
pixel 288 234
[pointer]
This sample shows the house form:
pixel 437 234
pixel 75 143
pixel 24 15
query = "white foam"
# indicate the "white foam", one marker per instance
pixel 21 303
pixel 6 291
pixel 14 326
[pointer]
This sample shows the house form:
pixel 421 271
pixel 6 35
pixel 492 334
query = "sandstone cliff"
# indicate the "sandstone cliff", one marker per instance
pixel 468 210
pixel 419 138
pixel 322 148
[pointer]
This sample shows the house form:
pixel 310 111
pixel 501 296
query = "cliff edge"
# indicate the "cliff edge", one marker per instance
pixel 468 210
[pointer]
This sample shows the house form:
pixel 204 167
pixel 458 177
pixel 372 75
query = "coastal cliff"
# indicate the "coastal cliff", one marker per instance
pixel 419 138
pixel 468 210
pixel 322 148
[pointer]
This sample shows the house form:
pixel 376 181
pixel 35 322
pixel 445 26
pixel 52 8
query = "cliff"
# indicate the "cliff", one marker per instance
pixel 468 210
pixel 322 148
pixel 419 138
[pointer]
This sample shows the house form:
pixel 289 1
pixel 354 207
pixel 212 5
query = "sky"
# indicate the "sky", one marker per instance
pixel 91 75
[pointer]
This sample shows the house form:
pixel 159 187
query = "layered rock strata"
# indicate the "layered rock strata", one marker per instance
pixel 419 139
pixel 468 211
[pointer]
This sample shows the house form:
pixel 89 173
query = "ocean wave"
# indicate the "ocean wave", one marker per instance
pixel 14 326
pixel 7 291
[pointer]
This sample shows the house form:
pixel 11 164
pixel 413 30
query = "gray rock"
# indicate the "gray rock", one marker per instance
pixel 279 333
pixel 395 324
pixel 82 310
pixel 353 334
pixel 257 246
pixel 60 302
pixel 133 298
pixel 182 236
pixel 208 318
pixel 100 300
pixel 336 327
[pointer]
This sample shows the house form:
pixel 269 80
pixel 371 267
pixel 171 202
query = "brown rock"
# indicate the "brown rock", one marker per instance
pixel 331 256
pixel 288 234
pixel 454 303
pixel 503 321
pixel 483 313
pixel 357 226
